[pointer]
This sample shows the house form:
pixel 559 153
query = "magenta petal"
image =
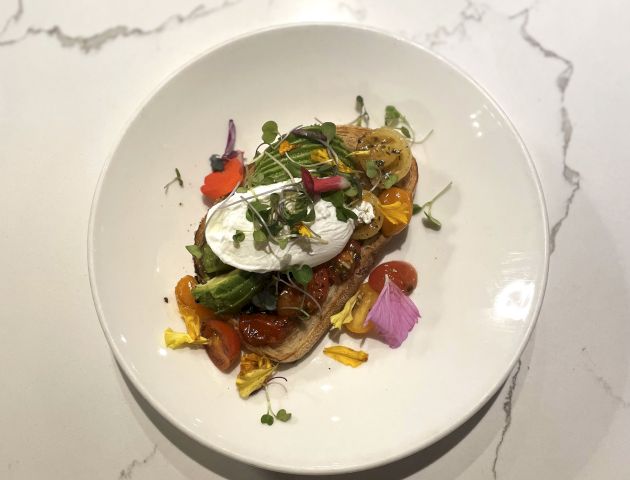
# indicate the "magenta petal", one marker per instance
pixel 231 139
pixel 307 180
pixel 393 314
pixel 330 184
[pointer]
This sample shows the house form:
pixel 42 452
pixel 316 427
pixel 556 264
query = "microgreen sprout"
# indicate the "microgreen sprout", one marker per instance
pixel 364 116
pixel 268 418
pixel 429 220
pixel 238 236
pixel 395 119
pixel 269 131
pixel 178 179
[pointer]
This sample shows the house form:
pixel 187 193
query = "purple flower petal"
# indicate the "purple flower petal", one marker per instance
pixel 393 314
pixel 307 180
pixel 231 139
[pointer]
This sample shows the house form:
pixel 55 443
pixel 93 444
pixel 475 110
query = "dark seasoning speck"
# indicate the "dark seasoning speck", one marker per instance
pixel 165 299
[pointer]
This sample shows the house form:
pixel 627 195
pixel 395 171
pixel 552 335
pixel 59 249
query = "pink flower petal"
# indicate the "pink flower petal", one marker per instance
pixel 393 314
pixel 307 180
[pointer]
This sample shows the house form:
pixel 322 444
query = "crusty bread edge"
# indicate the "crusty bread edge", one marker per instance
pixel 310 331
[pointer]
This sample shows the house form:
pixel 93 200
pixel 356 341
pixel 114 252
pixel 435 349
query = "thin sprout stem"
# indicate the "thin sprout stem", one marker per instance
pixel 442 192
pixel 290 283
pixel 424 139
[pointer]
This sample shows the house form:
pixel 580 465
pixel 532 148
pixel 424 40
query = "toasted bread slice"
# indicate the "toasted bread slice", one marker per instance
pixel 302 339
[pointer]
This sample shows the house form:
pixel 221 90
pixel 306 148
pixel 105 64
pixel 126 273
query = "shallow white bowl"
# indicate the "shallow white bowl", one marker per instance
pixel 482 276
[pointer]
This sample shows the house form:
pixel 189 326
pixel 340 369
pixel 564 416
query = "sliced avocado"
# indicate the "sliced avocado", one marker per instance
pixel 229 292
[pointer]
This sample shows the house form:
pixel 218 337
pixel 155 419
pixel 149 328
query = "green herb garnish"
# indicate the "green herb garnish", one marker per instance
pixel 389 180
pixel 268 418
pixel 371 170
pixel 416 209
pixel 429 220
pixel 363 116
pixel 269 131
pixel 302 274
pixel 178 179
pixel 329 130
pixel 238 236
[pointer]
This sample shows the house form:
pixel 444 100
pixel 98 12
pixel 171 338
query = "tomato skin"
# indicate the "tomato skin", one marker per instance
pixel 343 265
pixel 224 347
pixel 263 329
pixel 392 195
pixel 291 299
pixel 183 295
pixel 403 274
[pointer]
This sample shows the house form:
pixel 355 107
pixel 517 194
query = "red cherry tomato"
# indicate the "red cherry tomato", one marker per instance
pixel 224 346
pixel 401 273
pixel 263 329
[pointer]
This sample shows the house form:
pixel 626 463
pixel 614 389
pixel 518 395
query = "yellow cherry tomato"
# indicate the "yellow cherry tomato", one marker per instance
pixel 396 207
pixel 365 300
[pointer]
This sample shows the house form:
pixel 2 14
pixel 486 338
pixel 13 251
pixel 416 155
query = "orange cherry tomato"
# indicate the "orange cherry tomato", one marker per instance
pixel 183 295
pixel 218 184
pixel 401 273
pixel 390 196
pixel 224 346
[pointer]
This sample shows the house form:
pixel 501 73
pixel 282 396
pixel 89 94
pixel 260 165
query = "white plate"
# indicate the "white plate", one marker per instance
pixel 481 278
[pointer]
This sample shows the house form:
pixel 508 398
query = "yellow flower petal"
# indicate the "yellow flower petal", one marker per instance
pixel 396 212
pixel 254 373
pixel 345 315
pixel 343 168
pixel 305 231
pixel 320 155
pixel 285 147
pixel 346 355
pixel 179 339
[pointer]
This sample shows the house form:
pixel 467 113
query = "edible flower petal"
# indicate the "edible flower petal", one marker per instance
pixel 285 147
pixel 219 184
pixel 346 355
pixel 343 168
pixel 393 314
pixel 254 373
pixel 320 155
pixel 345 315
pixel 396 212
pixel 175 340
pixel 231 139
pixel 304 231
pixel 192 336
pixel 315 185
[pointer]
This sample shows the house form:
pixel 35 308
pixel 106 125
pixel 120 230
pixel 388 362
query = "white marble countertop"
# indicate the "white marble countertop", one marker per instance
pixel 71 76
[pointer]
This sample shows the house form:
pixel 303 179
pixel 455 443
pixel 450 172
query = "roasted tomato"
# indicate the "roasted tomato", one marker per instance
pixel 401 273
pixel 184 296
pixel 291 301
pixel 263 329
pixel 343 265
pixel 224 346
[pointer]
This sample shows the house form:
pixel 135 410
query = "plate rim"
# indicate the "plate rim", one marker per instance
pixel 330 469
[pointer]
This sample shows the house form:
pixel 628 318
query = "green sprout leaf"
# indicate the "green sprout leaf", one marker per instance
pixel 282 242
pixel 359 104
pixel 266 419
pixel 302 274
pixel 178 179
pixel 238 237
pixel 269 131
pixel 392 116
pixel 241 190
pixel 260 236
pixel 283 415
pixel 363 117
pixel 194 250
pixel 429 220
pixel 371 170
pixel 405 131
pixel 329 130
pixel 389 180
pixel 416 209
pixel 351 191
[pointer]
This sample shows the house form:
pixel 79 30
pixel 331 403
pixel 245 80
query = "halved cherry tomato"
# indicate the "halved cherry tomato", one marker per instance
pixel 262 329
pixel 401 273
pixel 393 195
pixel 224 346
pixel 183 295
